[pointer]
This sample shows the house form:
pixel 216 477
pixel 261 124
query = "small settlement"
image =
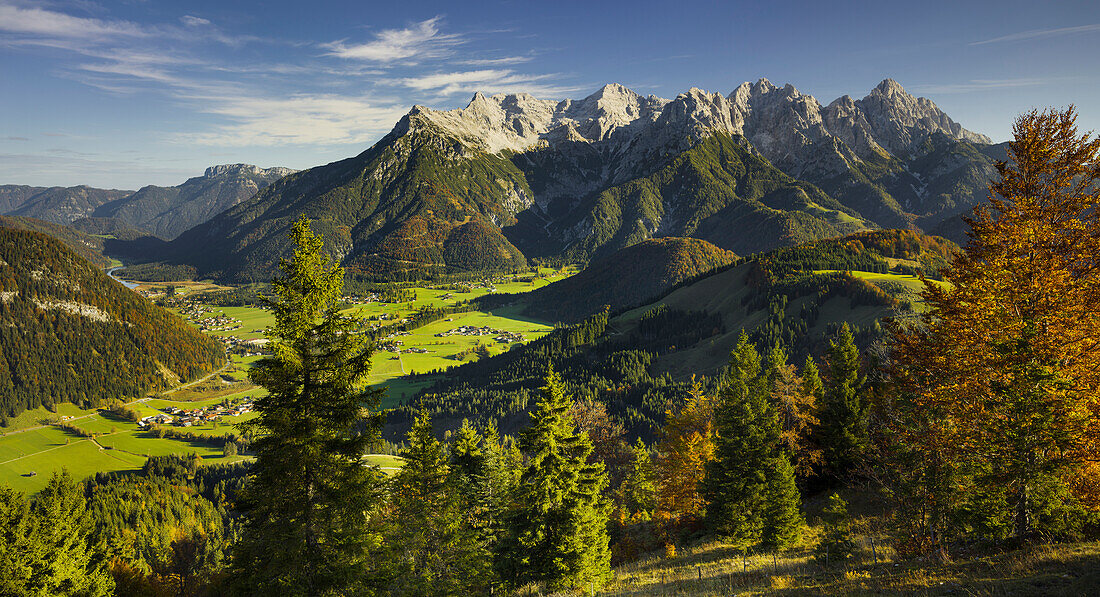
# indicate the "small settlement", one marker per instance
pixel 179 417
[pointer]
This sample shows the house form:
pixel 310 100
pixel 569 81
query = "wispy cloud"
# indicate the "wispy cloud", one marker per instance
pixel 496 61
pixel 487 81
pixel 979 85
pixel 16 139
pixel 36 21
pixel 300 119
pixel 1040 34
pixel 251 101
pixel 418 42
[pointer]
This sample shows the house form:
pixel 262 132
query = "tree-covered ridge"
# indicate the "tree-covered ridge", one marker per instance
pixel 635 361
pixel 69 333
pixel 85 245
pixel 625 278
pixel 416 203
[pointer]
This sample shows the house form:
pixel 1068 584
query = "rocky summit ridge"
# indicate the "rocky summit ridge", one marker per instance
pixel 780 122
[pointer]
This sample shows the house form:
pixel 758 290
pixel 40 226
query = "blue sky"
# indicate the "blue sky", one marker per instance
pixel 124 94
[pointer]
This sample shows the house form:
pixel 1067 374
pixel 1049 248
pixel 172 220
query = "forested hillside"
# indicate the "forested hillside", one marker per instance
pixel 622 279
pixel 71 334
pixel 633 363
pixel 84 244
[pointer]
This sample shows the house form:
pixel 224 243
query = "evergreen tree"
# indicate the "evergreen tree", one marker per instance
pixel 557 525
pixel 639 489
pixel 836 540
pixel 20 552
pixel 783 520
pixel 843 430
pixel 749 486
pixel 309 499
pixel 437 548
pixel 72 562
pixel 736 479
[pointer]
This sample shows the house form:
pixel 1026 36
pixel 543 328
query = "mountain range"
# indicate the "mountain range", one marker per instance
pixel 163 212
pixel 511 177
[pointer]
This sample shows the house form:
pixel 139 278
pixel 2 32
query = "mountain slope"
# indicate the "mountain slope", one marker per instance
pixel 637 361
pixel 70 333
pixel 167 211
pixel 87 246
pixel 511 177
pixel 59 205
pixel 625 278
pixel 416 202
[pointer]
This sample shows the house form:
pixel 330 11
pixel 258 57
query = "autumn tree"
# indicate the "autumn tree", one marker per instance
pixel 795 397
pixel 996 386
pixel 685 447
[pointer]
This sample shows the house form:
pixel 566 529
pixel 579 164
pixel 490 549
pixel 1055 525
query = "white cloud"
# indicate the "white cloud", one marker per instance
pixel 193 21
pixel 979 85
pixel 36 21
pixel 421 41
pixel 1040 34
pixel 496 61
pixel 301 119
pixel 488 81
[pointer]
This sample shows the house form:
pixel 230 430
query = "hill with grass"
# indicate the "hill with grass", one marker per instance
pixel 72 334
pixel 636 361
pixel 625 278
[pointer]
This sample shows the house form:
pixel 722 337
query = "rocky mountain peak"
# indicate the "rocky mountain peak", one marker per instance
pixel 889 87
pixel 223 170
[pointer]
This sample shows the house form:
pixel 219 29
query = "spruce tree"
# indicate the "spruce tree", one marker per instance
pixel 749 486
pixel 557 527
pixel 843 431
pixel 735 482
pixel 836 541
pixel 71 561
pixel 309 500
pixel 783 520
pixel 639 489
pixel 437 548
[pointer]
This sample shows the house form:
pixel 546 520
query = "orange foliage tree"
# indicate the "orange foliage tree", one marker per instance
pixel 685 446
pixel 997 385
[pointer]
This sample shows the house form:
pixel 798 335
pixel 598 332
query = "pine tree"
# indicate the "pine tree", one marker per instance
pixel 72 562
pixel 557 527
pixel 843 427
pixel 639 490
pixel 437 547
pixel 749 486
pixel 783 520
pixel 309 500
pixel 20 552
pixel 735 484
pixel 836 540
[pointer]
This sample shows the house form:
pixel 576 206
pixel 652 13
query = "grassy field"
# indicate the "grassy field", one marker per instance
pixel 713 568
pixel 27 446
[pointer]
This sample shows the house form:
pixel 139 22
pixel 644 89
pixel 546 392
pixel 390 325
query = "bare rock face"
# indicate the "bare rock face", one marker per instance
pixel 793 130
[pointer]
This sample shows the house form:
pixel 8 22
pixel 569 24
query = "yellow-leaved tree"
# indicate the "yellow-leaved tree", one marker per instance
pixel 995 424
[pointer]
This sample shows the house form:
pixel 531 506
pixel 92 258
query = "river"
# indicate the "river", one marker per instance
pixel 130 285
